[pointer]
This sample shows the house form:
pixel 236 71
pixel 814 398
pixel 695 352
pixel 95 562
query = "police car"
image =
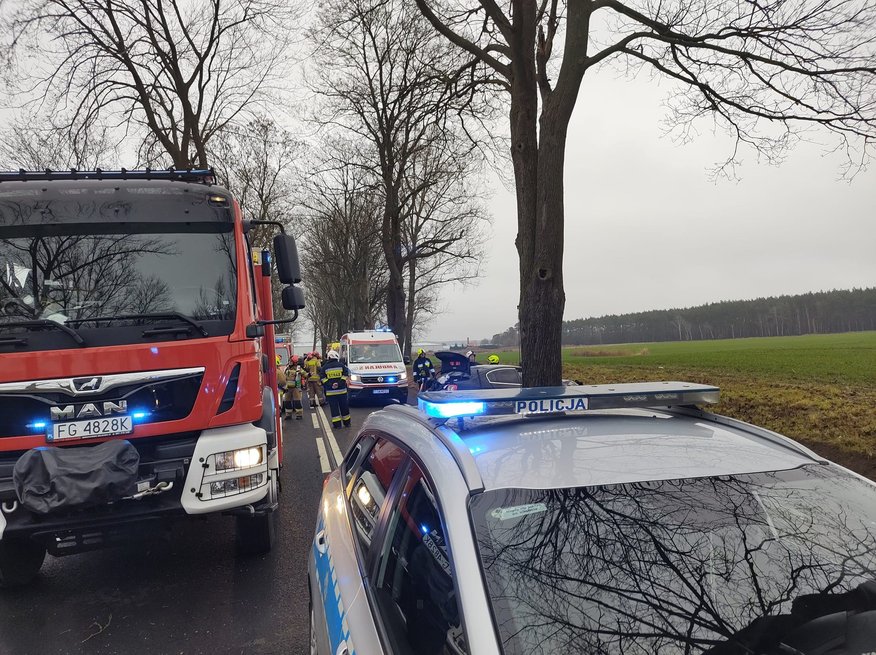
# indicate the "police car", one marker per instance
pixel 589 519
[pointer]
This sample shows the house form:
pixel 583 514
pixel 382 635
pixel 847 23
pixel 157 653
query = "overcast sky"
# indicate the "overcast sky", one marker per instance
pixel 646 228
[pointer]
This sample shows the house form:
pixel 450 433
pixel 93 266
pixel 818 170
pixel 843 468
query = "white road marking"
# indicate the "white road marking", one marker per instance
pixel 315 421
pixel 323 456
pixel 333 444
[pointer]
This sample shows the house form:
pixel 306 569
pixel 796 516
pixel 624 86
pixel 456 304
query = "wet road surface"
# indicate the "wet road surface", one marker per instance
pixel 185 590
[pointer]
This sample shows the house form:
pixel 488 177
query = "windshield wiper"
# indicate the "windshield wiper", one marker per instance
pixel 156 316
pixel 46 323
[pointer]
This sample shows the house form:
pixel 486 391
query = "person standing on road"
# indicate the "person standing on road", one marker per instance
pixel 282 385
pixel 313 372
pixel 423 370
pixel 294 386
pixel 334 381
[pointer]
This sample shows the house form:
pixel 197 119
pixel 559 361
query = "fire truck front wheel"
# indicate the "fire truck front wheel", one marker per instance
pixel 20 561
pixel 256 534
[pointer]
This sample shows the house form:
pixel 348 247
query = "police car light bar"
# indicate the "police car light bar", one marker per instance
pixel 549 400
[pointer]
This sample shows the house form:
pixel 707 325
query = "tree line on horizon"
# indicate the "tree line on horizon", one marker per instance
pixel 822 312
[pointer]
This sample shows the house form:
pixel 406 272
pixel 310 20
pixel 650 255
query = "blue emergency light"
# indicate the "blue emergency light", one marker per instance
pixel 554 400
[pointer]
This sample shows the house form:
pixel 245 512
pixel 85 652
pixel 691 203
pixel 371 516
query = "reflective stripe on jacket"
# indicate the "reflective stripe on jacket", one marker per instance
pixel 334 378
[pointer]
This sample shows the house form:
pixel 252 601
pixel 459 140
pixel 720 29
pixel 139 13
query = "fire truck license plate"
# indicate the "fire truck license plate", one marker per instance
pixel 96 427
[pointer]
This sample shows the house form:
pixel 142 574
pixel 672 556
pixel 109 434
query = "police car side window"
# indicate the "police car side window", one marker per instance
pixel 415 592
pixel 351 461
pixel 371 481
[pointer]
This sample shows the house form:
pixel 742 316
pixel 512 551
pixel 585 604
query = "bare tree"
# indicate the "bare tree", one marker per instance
pixel 443 229
pixel 389 81
pixel 180 71
pixel 258 163
pixel 40 144
pixel 764 70
pixel 342 251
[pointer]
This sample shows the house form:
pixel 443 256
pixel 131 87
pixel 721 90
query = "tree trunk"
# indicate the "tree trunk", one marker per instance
pixel 541 288
pixel 395 287
pixel 539 366
pixel 412 290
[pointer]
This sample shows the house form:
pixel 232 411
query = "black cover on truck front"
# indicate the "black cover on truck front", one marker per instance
pixel 49 479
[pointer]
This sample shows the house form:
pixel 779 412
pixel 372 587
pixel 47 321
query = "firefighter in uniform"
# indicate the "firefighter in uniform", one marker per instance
pixel 423 369
pixel 282 383
pixel 295 383
pixel 334 381
pixel 314 377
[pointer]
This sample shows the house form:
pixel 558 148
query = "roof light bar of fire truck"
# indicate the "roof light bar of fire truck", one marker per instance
pixel 202 175
pixel 549 400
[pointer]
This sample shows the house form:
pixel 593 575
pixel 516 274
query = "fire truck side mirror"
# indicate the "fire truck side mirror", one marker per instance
pixel 293 298
pixel 286 256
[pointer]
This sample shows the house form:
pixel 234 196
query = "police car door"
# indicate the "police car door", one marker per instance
pixel 349 516
pixel 413 585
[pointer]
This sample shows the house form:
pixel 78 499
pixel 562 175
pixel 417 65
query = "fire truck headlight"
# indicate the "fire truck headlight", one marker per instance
pixel 237 485
pixel 364 495
pixel 238 459
pixel 247 457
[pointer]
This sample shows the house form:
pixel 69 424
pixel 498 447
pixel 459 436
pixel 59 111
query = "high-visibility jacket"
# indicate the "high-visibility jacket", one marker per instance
pixel 312 367
pixel 423 368
pixel 334 378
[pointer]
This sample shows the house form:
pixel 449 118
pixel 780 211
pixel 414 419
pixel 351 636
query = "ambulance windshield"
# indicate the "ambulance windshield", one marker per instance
pixel 375 353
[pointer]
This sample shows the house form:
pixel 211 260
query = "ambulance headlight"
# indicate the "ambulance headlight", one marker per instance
pixel 403 376
pixel 354 377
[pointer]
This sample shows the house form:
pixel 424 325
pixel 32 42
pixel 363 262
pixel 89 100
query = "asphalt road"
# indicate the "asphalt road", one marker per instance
pixel 185 591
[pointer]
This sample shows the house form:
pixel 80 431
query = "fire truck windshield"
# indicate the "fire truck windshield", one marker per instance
pixel 73 273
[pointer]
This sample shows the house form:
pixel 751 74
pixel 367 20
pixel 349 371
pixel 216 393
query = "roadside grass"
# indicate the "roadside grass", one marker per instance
pixel 818 389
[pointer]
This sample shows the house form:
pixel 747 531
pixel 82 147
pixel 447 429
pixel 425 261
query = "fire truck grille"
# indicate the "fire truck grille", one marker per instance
pixel 169 400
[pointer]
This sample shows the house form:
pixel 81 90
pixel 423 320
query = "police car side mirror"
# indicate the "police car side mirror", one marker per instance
pixel 288 266
pixel 293 298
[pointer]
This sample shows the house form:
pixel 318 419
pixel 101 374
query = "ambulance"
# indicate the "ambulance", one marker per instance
pixel 377 368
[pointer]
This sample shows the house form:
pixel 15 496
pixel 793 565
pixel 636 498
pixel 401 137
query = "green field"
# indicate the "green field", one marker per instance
pixel 820 389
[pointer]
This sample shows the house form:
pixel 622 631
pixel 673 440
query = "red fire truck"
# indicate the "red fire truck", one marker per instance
pixel 137 377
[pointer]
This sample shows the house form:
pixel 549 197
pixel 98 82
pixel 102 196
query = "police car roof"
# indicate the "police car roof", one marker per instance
pixel 618 446
pixel 497 443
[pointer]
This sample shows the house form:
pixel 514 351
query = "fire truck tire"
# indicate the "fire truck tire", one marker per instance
pixel 256 534
pixel 20 561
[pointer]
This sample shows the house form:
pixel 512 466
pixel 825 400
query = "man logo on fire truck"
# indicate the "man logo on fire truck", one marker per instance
pixel 145 292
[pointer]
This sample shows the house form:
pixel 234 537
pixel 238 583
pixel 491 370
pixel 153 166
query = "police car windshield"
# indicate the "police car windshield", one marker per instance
pixel 375 353
pixel 753 564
